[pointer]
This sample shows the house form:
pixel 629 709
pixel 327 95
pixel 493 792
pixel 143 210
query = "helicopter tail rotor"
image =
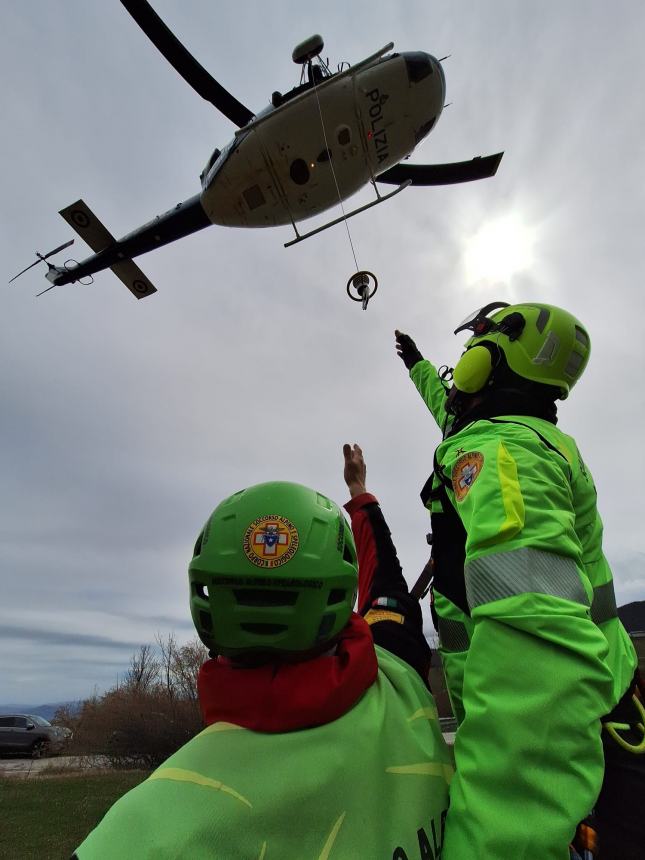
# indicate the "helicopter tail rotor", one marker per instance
pixel 43 258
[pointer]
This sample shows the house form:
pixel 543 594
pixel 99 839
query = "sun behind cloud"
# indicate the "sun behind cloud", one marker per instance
pixel 499 249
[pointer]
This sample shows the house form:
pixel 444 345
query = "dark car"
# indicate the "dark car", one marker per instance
pixel 30 735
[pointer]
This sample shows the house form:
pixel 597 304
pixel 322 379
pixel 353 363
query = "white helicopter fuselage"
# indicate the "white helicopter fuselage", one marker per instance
pixel 278 168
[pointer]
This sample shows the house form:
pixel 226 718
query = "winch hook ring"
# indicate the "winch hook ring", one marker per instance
pixel 365 284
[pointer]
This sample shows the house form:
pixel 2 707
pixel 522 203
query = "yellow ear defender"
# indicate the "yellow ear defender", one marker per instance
pixel 473 370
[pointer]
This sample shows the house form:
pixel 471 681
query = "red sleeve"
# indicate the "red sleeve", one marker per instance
pixel 365 547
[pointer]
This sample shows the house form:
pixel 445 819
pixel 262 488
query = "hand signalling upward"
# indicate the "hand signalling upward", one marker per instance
pixel 355 469
pixel 407 349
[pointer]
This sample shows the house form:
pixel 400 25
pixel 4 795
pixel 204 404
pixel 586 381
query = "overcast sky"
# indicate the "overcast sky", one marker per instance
pixel 124 423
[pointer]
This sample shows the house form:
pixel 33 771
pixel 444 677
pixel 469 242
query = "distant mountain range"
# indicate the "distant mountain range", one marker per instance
pixel 45 711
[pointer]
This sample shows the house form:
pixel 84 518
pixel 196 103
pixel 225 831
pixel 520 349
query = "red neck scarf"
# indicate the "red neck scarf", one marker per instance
pixel 289 696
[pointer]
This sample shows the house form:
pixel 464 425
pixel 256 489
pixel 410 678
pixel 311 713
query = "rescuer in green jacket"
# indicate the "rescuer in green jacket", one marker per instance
pixel 523 601
pixel 322 740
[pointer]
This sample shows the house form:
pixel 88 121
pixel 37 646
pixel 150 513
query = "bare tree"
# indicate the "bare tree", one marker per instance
pixel 167 650
pixel 142 675
pixel 186 665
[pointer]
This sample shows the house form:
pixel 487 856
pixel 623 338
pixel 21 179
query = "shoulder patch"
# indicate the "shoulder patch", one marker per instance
pixel 376 615
pixel 465 472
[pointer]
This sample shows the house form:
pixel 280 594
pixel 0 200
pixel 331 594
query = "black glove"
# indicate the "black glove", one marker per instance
pixel 406 348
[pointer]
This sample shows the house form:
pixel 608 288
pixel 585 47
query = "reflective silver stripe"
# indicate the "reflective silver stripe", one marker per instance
pixel 548 350
pixel 603 606
pixel 522 571
pixel 453 635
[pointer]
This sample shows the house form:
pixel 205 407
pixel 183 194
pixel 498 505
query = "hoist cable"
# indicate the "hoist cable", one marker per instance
pixel 333 173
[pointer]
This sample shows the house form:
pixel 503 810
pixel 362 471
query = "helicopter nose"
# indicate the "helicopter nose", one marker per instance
pixel 439 71
pixel 422 67
pixel 418 65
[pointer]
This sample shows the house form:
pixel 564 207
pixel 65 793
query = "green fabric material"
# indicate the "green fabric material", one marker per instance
pixel 431 388
pixel 363 786
pixel 539 673
pixel 454 662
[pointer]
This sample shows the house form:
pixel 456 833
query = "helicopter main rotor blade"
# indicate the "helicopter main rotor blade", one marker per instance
pixel 184 62
pixel 481 167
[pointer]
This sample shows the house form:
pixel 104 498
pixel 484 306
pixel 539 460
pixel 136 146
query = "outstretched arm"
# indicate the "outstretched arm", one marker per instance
pixel 424 375
pixel 383 596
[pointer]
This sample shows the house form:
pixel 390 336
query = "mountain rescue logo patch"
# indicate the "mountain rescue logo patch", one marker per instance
pixel 465 472
pixel 270 541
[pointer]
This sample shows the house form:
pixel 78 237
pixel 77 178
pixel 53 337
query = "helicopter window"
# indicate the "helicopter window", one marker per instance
pixel 254 197
pixel 418 65
pixel 211 161
pixel 343 135
pixel 325 155
pixel 424 130
pixel 299 171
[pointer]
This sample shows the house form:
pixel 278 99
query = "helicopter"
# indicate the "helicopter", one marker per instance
pixel 309 149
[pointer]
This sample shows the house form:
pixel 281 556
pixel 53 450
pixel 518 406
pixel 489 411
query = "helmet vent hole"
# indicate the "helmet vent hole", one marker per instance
pixel 264 597
pixel 347 555
pixel 264 629
pixel 201 590
pixel 336 595
pixel 326 625
pixel 581 337
pixel 198 544
pixel 206 621
pixel 542 320
pixel 573 364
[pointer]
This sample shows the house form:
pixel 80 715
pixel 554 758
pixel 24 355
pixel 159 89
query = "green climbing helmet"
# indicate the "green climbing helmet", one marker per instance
pixel 540 342
pixel 274 571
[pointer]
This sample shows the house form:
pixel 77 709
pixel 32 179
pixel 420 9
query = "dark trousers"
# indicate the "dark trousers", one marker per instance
pixel 620 810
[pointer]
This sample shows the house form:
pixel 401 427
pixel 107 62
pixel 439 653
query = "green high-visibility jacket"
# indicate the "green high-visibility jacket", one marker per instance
pixel 535 654
pixel 370 785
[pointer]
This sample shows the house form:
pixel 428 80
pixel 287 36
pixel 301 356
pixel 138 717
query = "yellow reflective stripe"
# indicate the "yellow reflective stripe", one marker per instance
pixel 427 768
pixel 511 494
pixel 263 851
pixel 219 727
pixel 428 713
pixel 329 844
pixel 375 615
pixel 178 774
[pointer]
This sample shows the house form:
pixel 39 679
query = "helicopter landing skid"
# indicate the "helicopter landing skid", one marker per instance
pixel 361 287
pixel 380 199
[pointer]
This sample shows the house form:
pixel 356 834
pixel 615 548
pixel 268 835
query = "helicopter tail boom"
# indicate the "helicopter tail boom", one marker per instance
pixel 81 218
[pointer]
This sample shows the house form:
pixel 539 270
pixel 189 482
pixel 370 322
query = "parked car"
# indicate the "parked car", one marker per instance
pixel 30 735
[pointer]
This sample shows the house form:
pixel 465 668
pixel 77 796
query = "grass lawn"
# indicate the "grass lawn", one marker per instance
pixel 47 818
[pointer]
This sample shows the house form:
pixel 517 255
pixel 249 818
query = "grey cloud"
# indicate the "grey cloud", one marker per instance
pixel 125 422
pixel 73 640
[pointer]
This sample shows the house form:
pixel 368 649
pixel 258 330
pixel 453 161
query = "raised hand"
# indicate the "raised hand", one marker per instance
pixel 355 469
pixel 407 349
